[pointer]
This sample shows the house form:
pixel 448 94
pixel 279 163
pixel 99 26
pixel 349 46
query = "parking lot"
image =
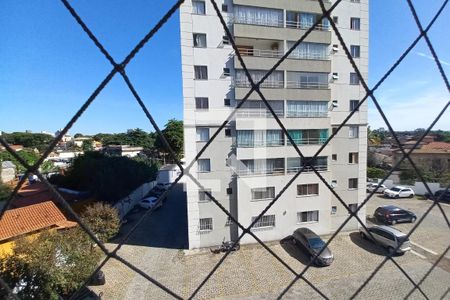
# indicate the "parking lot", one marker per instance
pixel 253 273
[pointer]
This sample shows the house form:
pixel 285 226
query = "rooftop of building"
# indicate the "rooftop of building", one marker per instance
pixel 32 218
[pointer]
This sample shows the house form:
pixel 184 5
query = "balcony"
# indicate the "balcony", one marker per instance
pixel 307 85
pixel 308 169
pixel 261 167
pixel 271 84
pixel 307 114
pixel 258 113
pixel 260 143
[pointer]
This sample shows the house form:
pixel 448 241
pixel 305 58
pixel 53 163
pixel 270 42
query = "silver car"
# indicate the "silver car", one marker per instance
pixel 313 244
pixel 388 237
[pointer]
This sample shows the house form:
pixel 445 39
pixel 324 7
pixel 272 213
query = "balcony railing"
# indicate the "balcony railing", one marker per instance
pixel 306 114
pixel 261 52
pixel 261 143
pixel 307 85
pixel 308 141
pixel 320 168
pixel 258 113
pixel 256 21
pixel 308 55
pixel 272 84
pixel 261 172
pixel 306 25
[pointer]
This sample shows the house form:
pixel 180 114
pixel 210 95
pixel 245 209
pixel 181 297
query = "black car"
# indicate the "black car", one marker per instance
pixel 390 214
pixel 312 243
pixel 156 192
pixel 437 194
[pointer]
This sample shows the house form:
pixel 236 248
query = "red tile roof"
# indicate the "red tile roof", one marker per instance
pixel 437 146
pixel 32 218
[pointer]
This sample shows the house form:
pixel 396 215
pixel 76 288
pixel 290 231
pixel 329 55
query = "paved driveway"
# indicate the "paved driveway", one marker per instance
pixel 252 273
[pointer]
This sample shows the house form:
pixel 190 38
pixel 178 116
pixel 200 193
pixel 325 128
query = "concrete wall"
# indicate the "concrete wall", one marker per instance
pixel 418 187
pixel 127 203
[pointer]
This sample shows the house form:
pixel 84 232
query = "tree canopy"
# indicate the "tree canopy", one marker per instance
pixel 109 178
pixel 29 140
pixel 173 132
pixel 134 137
pixel 29 156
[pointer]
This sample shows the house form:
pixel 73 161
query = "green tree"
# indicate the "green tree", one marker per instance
pixel 51 266
pixel 29 140
pixel 102 219
pixel 375 172
pixel 29 156
pixel 87 146
pixel 5 191
pixel 48 166
pixel 173 132
pixel 77 135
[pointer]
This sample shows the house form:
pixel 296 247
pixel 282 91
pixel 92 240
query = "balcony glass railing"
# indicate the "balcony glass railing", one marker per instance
pixel 320 168
pixel 271 84
pixel 261 172
pixel 260 143
pixel 261 52
pixel 306 114
pixel 307 85
pixel 258 113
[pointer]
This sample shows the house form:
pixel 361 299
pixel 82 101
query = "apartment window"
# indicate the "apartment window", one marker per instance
pixel 355 1
pixel 353 132
pixel 335 20
pixel 201 72
pixel 228 132
pixel 354 104
pixel 226 102
pixel 353 207
pixel 229 191
pixel 333 210
pixel 199 40
pixel 334 157
pixel 201 103
pixel 353 158
pixel 258 16
pixel 203 197
pixel 204 165
pixel 198 7
pixel 353 183
pixel 334 130
pixel 224 8
pixel 226 40
pixel 206 224
pixel 308 189
pixel 202 134
pixel 355 51
pixel 226 71
pixel 264 221
pixel 263 193
pixel 354 79
pixel 355 23
pixel 308 216
pixel 333 183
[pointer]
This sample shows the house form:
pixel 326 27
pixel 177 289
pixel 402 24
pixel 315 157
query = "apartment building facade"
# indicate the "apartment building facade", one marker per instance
pixel 250 161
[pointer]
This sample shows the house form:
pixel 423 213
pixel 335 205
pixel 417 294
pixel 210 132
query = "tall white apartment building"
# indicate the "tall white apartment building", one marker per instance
pixel 312 92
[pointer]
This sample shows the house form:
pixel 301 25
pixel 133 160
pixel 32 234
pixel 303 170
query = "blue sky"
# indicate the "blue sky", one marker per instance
pixel 49 67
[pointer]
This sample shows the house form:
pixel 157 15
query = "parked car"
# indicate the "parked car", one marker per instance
pixel 312 243
pixel 150 202
pixel 372 186
pixel 399 192
pixel 156 192
pixel 387 237
pixel 164 186
pixel 390 214
pixel 437 194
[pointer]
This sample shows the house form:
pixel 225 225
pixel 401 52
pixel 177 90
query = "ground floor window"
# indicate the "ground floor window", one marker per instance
pixel 206 224
pixel 264 221
pixel 308 216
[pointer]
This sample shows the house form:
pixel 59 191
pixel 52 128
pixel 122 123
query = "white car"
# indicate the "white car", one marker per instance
pixel 399 192
pixel 150 202
pixel 372 186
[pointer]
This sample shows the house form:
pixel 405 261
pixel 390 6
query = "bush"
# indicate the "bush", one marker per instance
pixel 102 219
pixel 375 172
pixel 5 191
pixel 50 266
pixel 108 178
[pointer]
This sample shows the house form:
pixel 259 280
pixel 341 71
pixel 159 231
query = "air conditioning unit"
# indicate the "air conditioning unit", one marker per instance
pixel 335 76
pixel 333 184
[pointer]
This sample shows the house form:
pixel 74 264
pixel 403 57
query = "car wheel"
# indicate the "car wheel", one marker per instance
pixel 413 219
pixel 393 222
pixel 391 251
pixel 411 196
pixel 397 196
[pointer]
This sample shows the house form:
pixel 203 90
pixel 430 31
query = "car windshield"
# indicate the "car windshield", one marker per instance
pixel 395 189
pixel 316 243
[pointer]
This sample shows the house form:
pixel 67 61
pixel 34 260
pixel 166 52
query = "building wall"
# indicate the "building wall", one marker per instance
pixel 225 157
